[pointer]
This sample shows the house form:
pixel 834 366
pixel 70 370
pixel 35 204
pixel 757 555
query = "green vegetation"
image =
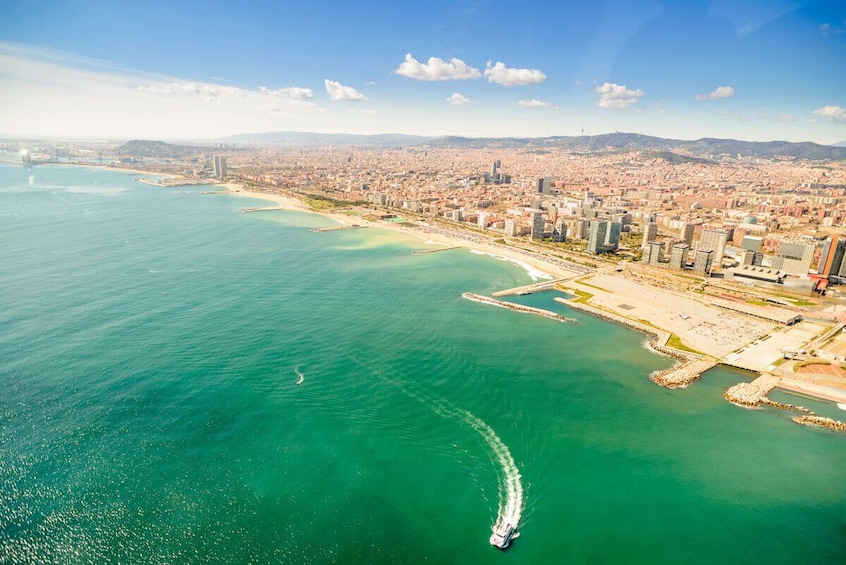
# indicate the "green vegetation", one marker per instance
pixel 320 203
pixel 757 302
pixel 581 282
pixel 807 362
pixel 583 297
pixel 796 301
pixel 676 343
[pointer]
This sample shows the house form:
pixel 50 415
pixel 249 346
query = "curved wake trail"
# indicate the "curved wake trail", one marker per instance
pixel 509 478
pixel 510 485
pixel 299 374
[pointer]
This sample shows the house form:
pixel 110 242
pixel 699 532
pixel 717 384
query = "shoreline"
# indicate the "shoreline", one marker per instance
pixel 689 367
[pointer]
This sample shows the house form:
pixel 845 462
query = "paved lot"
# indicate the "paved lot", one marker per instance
pixel 711 330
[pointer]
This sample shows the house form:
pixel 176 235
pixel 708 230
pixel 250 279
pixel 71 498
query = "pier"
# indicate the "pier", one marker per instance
pixel 439 249
pixel 339 228
pixel 517 307
pixel 530 288
pixel 265 209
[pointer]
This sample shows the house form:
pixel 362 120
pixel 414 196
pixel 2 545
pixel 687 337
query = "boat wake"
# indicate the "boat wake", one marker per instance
pixel 508 475
pixel 302 377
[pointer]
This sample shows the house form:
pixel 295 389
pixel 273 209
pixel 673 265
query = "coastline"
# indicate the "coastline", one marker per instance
pixel 689 366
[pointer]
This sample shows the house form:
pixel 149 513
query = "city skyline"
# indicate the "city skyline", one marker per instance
pixel 686 70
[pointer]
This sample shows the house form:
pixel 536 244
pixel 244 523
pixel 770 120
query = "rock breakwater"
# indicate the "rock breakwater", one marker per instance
pixel 517 307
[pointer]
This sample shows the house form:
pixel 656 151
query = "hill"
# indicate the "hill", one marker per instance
pixel 140 148
pixel 296 138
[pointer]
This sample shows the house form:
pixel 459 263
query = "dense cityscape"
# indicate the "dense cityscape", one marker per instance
pixel 770 222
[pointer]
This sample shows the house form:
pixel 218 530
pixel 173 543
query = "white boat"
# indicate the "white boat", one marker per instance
pixel 502 535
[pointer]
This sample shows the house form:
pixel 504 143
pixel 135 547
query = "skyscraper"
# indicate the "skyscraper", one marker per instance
pixel 831 259
pixel 596 240
pixel 537 225
pixel 219 166
pixel 545 185
pixel 703 262
pixel 678 256
pixel 716 241
pixel 650 232
pixel 686 233
pixel 612 236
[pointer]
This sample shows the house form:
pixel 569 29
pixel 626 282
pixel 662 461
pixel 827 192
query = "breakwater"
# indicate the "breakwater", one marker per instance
pixel 820 421
pixel 689 367
pixel 754 394
pixel 751 395
pixel 339 228
pixel 264 209
pixel 530 288
pixel 426 251
pixel 517 307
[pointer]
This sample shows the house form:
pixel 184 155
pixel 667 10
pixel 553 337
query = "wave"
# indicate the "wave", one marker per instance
pixel 299 374
pixel 533 273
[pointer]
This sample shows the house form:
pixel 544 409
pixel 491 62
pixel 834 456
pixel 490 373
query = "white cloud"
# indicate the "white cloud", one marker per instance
pixel 836 114
pixel 294 92
pixel 501 74
pixel 436 69
pixel 616 96
pixel 533 103
pixel 338 91
pixel 101 100
pixel 720 92
pixel 457 99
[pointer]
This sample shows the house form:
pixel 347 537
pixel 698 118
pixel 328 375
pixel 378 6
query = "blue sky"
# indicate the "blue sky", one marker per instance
pixel 747 69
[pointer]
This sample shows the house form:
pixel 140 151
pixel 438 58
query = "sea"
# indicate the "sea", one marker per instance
pixel 181 382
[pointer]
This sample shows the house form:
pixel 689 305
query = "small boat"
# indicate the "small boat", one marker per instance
pixel 503 535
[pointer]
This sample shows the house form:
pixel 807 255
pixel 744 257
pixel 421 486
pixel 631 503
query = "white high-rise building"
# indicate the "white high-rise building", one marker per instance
pixel 714 240
pixel 219 166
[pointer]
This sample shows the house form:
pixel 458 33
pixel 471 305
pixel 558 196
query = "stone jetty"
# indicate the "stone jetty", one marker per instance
pixel 339 228
pixel 820 421
pixel 427 251
pixel 517 307
pixel 264 209
pixel 688 369
pixel 754 394
pixel 751 395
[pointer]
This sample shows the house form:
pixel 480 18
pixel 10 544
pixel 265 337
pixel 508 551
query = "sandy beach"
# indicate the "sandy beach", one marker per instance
pixel 718 334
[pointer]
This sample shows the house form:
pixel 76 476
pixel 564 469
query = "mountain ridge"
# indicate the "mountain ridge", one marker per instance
pixel 705 148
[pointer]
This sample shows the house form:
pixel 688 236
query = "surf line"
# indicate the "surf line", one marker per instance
pixel 510 485
pixel 302 377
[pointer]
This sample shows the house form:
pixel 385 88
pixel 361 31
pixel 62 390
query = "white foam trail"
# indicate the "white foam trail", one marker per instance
pixel 302 377
pixel 510 483
pixel 533 273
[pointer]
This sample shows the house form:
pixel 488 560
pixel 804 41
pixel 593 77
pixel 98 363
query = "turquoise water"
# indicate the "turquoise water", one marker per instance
pixel 151 341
